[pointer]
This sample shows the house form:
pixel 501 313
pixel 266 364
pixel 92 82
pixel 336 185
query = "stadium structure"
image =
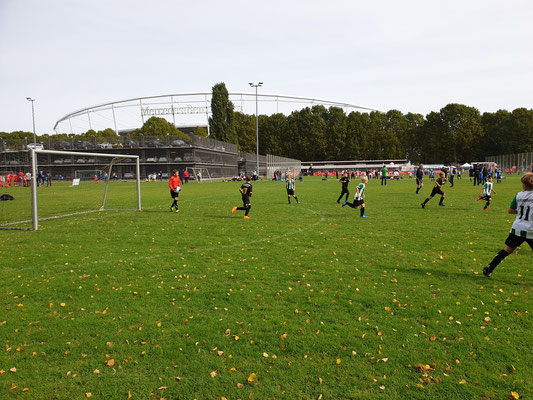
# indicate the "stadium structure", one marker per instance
pixel 161 154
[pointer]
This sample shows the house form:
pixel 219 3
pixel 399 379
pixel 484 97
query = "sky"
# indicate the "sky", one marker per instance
pixel 413 56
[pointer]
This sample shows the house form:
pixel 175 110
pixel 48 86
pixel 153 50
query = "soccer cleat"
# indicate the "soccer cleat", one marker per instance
pixel 478 198
pixel 346 202
pixel 485 209
pixel 364 216
pixel 233 210
pixel 486 271
pixel 423 205
pixel 171 209
pixel 246 217
pixel 338 201
pixel 442 205
pixel 177 211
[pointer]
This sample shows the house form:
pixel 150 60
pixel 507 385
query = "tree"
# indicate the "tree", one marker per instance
pixel 200 131
pixel 462 133
pixel 336 134
pixel 274 135
pixel 245 131
pixel 221 123
pixel 160 127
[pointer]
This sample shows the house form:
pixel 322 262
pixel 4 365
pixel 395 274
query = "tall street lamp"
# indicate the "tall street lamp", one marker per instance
pixel 33 117
pixel 256 85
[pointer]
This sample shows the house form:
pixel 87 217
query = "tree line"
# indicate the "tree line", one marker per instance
pixel 456 133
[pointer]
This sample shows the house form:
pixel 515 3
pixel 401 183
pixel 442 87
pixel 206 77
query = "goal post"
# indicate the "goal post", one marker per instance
pixel 200 174
pixel 109 161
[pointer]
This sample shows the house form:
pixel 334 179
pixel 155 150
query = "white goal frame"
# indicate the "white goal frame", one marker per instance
pixel 34 152
pixel 195 171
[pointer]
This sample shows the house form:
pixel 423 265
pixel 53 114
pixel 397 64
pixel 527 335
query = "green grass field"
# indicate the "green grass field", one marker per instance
pixel 303 301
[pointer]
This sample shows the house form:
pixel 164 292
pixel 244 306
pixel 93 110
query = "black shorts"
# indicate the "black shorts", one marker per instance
pixel 418 181
pixel 357 203
pixel 435 191
pixel 245 201
pixel 290 192
pixel 486 198
pixel 174 194
pixel 515 241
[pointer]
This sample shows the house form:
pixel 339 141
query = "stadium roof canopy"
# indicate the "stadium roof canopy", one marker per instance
pixel 183 109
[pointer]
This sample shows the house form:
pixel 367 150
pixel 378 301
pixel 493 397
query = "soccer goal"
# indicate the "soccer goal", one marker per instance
pixel 67 183
pixel 200 174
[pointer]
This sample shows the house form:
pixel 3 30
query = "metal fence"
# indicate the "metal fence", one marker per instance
pixel 248 163
pixel 520 161
pixel 283 164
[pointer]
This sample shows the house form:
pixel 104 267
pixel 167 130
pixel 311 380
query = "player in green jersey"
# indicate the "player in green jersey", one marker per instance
pixel 290 189
pixel 486 193
pixel 359 197
pixel 522 229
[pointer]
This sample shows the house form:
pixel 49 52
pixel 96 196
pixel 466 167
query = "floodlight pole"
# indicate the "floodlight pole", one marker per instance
pixel 256 85
pixel 33 117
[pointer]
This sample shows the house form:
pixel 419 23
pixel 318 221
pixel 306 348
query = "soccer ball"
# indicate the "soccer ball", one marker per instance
pixel 177 189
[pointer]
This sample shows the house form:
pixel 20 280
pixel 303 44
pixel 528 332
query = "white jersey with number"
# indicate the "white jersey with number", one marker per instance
pixel 487 189
pixel 523 224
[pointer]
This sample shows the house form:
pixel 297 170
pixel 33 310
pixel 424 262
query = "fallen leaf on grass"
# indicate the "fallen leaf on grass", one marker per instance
pixel 213 374
pixel 110 363
pixel 462 382
pixel 515 395
pixel 88 394
pixel 13 370
pixel 96 371
pixel 252 377
pixel 423 369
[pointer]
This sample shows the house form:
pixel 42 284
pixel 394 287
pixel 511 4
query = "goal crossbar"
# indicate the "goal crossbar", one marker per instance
pixel 113 157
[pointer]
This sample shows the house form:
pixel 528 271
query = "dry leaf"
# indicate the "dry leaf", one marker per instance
pixel 162 388
pixel 25 389
pixel 96 371
pixel 240 385
pixel 213 374
pixel 252 377
pixel 338 361
pixel 13 370
pixel 110 363
pixel 88 394
pixel 462 382
pixel 515 395
pixel 265 355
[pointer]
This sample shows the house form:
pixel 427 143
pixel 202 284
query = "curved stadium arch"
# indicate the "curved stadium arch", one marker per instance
pixel 183 109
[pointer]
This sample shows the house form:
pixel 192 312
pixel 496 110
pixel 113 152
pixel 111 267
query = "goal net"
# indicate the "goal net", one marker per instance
pixel 200 174
pixel 65 183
